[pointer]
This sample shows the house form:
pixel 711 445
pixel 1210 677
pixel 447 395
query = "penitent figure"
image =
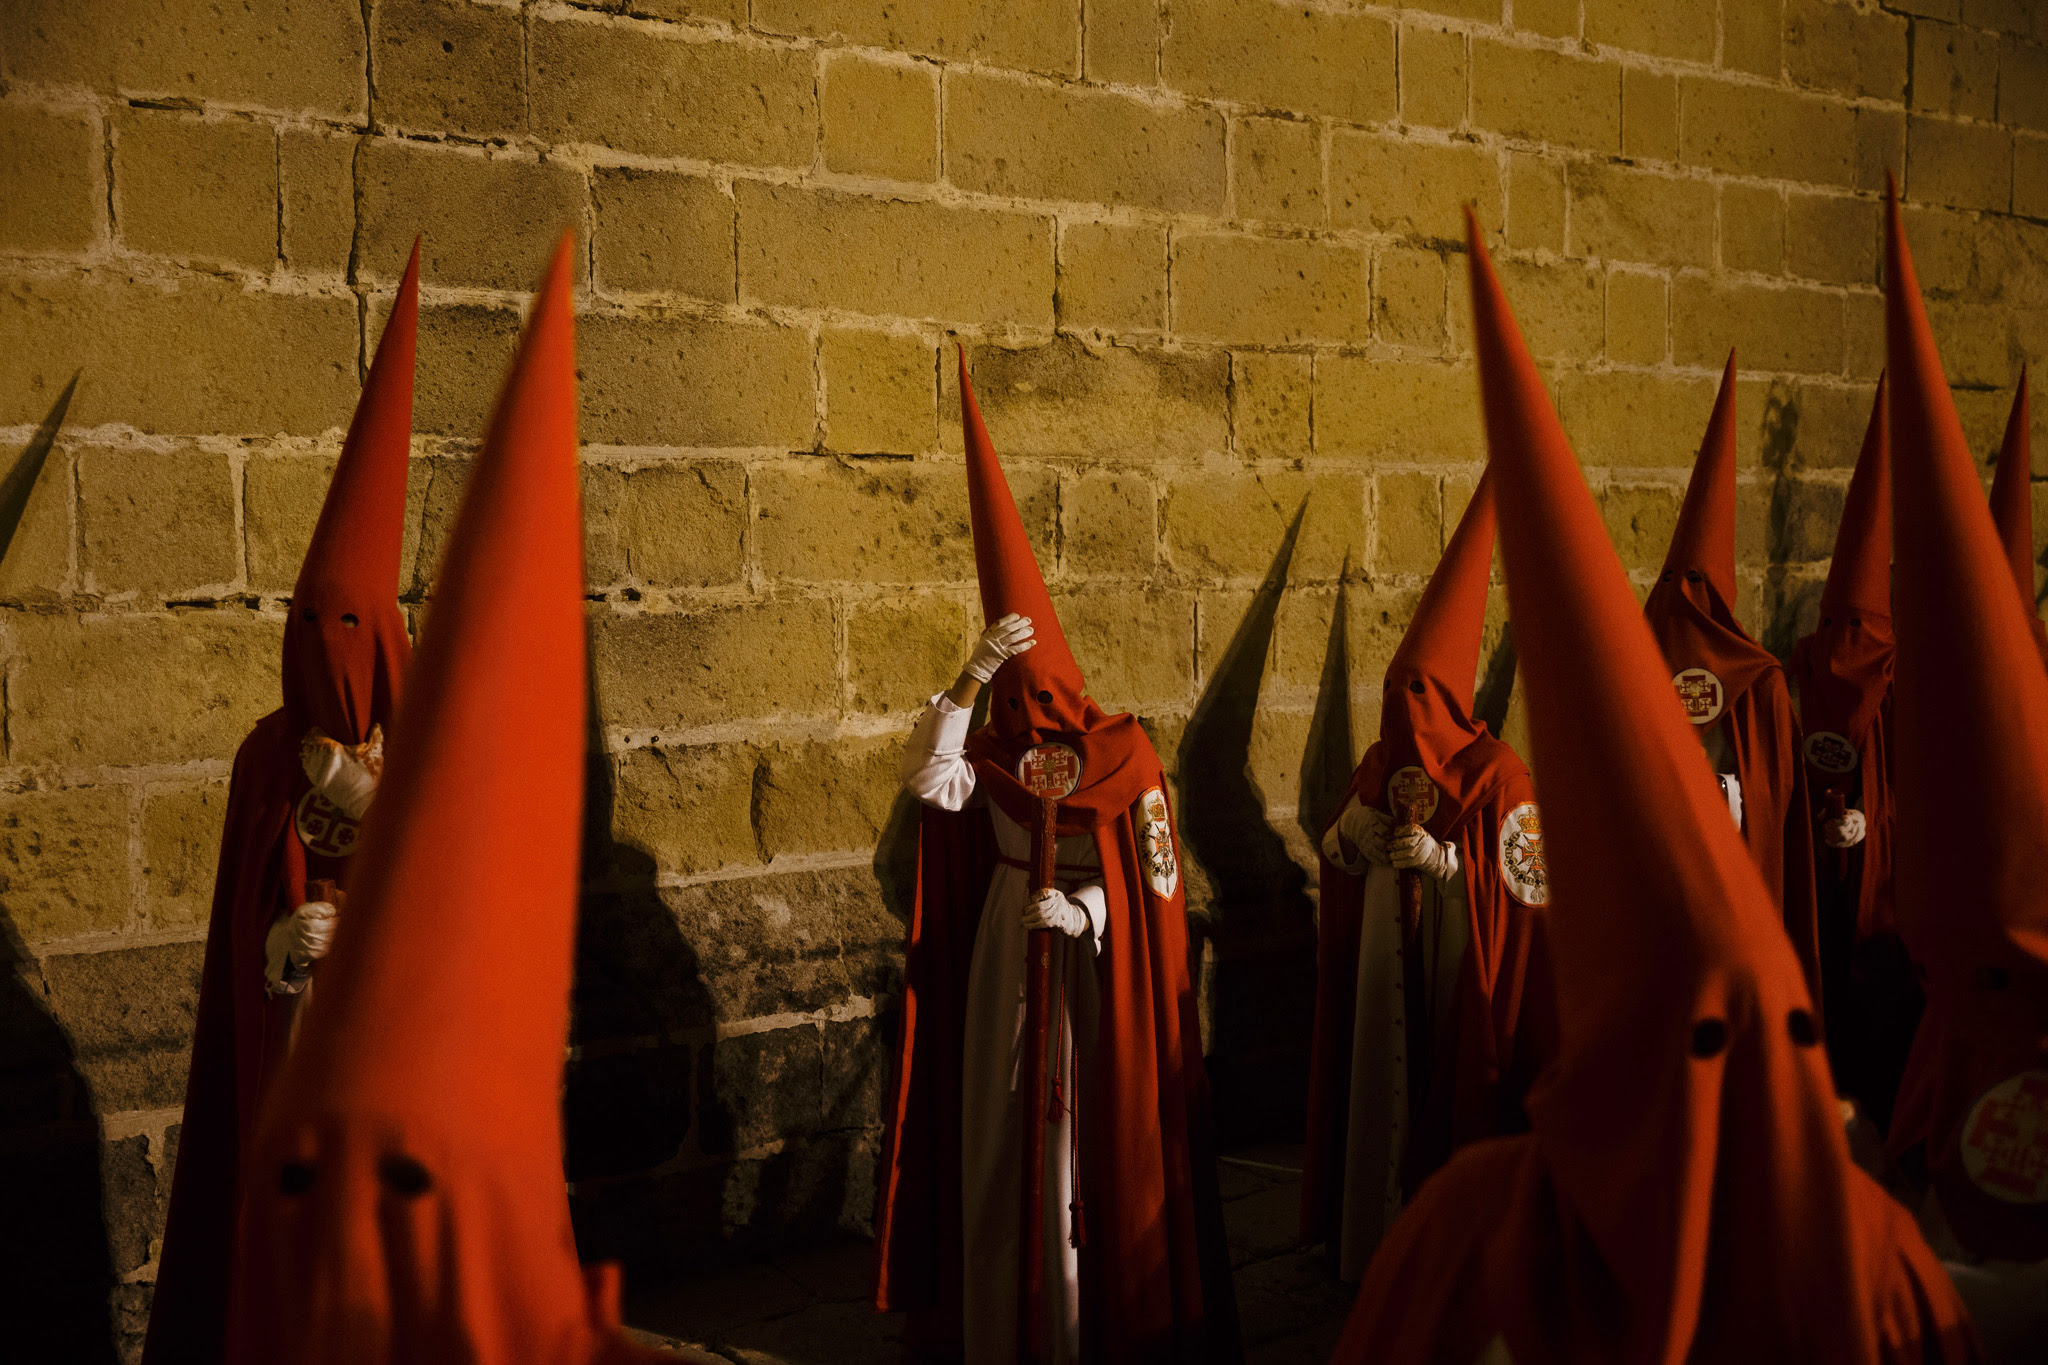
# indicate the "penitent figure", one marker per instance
pixel 1131 1263
pixel 1426 1034
pixel 1733 689
pixel 302 782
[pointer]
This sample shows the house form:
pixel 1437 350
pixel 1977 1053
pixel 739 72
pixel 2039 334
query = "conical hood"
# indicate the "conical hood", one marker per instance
pixel 1689 1122
pixel 407 1191
pixel 1427 709
pixel 1970 701
pixel 1860 574
pixel 1704 542
pixel 2012 503
pixel 1039 693
pixel 345 646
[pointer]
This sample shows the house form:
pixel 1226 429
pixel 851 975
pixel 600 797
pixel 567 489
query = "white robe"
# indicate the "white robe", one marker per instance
pixel 936 771
pixel 1376 1128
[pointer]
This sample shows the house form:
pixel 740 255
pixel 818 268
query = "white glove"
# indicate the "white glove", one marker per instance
pixel 1366 830
pixel 1412 846
pixel 1846 830
pixel 347 777
pixel 1000 643
pixel 295 942
pixel 1052 909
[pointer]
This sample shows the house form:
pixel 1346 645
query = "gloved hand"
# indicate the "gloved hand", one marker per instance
pixel 346 776
pixel 1846 830
pixel 295 942
pixel 1001 642
pixel 1412 846
pixel 1053 909
pixel 1366 830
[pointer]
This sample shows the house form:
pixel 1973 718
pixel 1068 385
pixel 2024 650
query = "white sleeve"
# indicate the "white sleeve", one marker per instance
pixel 1089 897
pixel 935 766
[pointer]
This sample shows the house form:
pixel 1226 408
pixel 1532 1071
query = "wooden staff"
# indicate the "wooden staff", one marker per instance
pixel 1838 806
pixel 1037 1031
pixel 1415 976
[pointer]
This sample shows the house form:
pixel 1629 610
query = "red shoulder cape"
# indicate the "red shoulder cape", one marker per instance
pixel 238 1041
pixel 1155 1272
pixel 1764 737
pixel 1489 1248
pixel 1503 1014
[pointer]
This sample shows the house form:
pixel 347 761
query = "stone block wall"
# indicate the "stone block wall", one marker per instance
pixel 1205 256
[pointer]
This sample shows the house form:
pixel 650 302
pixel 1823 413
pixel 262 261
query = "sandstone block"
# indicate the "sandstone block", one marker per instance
pixel 156 522
pixel 1750 130
pixel 659 233
pixel 1964 165
pixel 1638 318
pixel 826 797
pixel 129 1014
pixel 209 675
pixel 689 808
pixel 1269 405
pixel 464 351
pixel 1974 342
pixel 1277 171
pixel 1649 115
pixel 1752 40
pixel 1545 96
pixel 1135 646
pixel 815 248
pixel 1485 11
pixel 1112 277
pixel 49 188
pixel 1435 76
pixel 681 381
pixel 881 118
pixel 881 393
pixel 1110 525
pixel 1662 28
pixel 1398 410
pixel 1955 71
pixel 2023 85
pixel 662 671
pixel 1832 240
pixel 2030 177
pixel 1412 189
pixel 902 650
pixel 1025 35
pixel 37 567
pixel 281 498
pixel 1626 420
pixel 636 89
pixel 1559 307
pixel 197 355
pixel 1626 215
pixel 1120 41
pixel 181 829
pixel 1070 398
pixel 1408 298
pixel 64 861
pixel 1752 228
pixel 1536 200
pixel 764 1086
pixel 1774 329
pixel 196 188
pixel 1880 145
pixel 1007 137
pixel 885 522
pixel 1283 57
pixel 684 524
pixel 1551 18
pixel 1640 520
pixel 489 221
pixel 1844 49
pixel 444 66
pixel 787 942
pixel 1408 523
pixel 1257 290
pixel 1229 526
pixel 316 183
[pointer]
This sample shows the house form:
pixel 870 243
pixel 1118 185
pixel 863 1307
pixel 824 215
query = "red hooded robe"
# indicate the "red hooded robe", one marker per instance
pixel 1686 1193
pixel 1971 706
pixel 1155 1278
pixel 1485 804
pixel 1844 672
pixel 405 1197
pixel 1728 680
pixel 2012 505
pixel 345 654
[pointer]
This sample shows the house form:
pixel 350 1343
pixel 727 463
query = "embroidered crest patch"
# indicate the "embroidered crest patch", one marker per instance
pixel 1155 843
pixel 1830 752
pixel 2005 1139
pixel 1050 770
pixel 1521 855
pixel 1410 786
pixel 1701 694
pixel 323 828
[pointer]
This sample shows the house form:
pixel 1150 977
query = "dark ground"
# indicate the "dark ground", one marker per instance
pixel 811 1308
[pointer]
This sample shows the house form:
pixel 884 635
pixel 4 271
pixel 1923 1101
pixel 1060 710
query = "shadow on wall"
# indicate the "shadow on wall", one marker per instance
pixel 1258 935
pixel 686 1146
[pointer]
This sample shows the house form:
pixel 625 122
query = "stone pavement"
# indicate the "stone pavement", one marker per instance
pixel 810 1308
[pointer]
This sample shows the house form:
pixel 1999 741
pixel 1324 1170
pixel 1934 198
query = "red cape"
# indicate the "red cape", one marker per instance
pixel 1155 1272
pixel 1480 1074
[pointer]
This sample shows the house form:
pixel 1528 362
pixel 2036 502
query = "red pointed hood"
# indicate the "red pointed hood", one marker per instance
pixel 1039 693
pixel 1689 1123
pixel 405 1199
pixel 1860 574
pixel 2012 492
pixel 1971 724
pixel 1426 713
pixel 345 646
